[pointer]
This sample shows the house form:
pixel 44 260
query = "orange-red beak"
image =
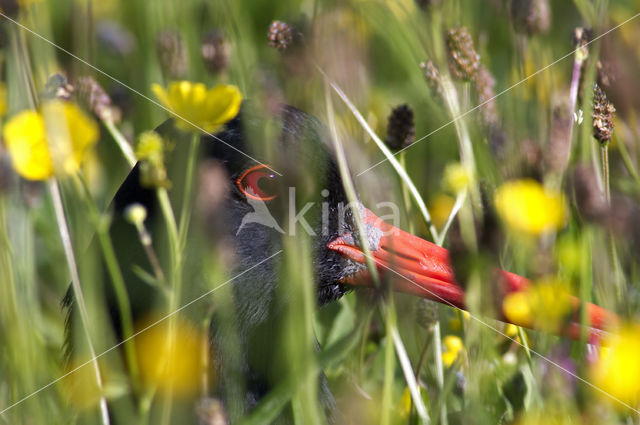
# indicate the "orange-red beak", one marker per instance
pixel 422 268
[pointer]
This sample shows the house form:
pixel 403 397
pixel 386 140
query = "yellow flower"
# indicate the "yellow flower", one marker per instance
pixel 55 140
pixel 194 104
pixel 617 372
pixel 3 99
pixel 452 348
pixel 528 207
pixel 456 178
pixel 544 306
pixel 441 207
pixel 172 361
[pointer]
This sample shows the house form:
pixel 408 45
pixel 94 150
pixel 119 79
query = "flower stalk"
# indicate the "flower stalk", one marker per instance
pixel 77 291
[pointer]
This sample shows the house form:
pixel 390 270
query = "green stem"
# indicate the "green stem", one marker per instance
pixel 410 378
pixel 604 150
pixel 147 244
pixel 188 188
pixel 467 157
pixel 172 231
pixel 349 188
pixel 525 344
pixel 175 254
pixel 387 385
pixel 437 348
pixel 462 196
pixel 120 289
pixel 626 159
pixel 405 192
pixel 121 141
pixel 422 359
pixel 65 236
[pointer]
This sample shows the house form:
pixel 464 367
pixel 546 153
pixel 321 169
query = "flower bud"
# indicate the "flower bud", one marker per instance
pixel 135 214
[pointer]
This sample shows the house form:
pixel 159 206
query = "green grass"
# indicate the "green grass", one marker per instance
pixel 357 60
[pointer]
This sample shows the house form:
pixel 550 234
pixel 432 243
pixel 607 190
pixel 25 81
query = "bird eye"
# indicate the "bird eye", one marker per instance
pixel 257 183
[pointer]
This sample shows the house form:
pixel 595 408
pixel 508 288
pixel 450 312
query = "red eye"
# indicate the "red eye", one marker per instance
pixel 257 183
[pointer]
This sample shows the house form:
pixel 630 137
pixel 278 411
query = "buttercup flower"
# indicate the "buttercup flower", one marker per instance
pixel 544 305
pixel 207 109
pixel 171 359
pixel 527 207
pixel 53 140
pixel 456 178
pixel 452 348
pixel 618 371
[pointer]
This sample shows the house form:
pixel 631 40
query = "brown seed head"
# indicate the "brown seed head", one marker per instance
pixel 172 54
pixel 464 61
pixel 280 35
pixel 400 129
pixel 215 51
pixel 93 97
pixel 603 113
pixel 432 75
pixel 531 16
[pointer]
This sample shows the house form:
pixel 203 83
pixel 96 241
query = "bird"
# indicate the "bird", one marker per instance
pixel 253 214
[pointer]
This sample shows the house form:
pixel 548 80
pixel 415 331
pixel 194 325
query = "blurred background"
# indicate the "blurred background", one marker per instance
pixel 521 163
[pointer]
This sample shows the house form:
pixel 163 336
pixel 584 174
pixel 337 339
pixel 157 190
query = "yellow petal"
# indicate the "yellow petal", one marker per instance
pixel 161 94
pixel 26 141
pixel 528 207
pixel 516 308
pixel 452 344
pixel 618 371
pixel 70 133
pixel 200 108
pixel 448 358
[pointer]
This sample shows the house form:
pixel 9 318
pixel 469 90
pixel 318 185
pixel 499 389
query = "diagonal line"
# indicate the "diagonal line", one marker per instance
pixel 41 37
pixel 2 412
pixel 459 117
pixel 543 357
